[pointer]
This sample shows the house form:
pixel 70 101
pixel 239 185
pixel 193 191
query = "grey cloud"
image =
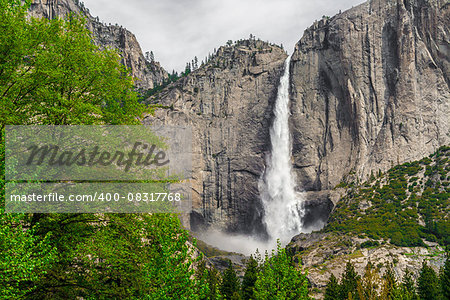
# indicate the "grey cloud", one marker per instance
pixel 177 30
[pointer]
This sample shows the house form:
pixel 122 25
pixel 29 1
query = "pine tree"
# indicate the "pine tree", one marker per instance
pixel 408 287
pixel 280 279
pixel 408 281
pixel 195 63
pixel 187 69
pixel 428 284
pixel 372 176
pixel 389 284
pixel 152 57
pixel 349 282
pixel 369 284
pixel 445 277
pixel 332 289
pixel 249 280
pixel 230 285
pixel 208 279
pixel 213 283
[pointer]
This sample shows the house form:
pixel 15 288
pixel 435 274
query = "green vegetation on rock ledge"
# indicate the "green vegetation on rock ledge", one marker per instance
pixel 373 285
pixel 406 205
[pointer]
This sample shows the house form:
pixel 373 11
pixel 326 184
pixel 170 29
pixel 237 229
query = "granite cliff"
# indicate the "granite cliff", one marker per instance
pixel 147 74
pixel 369 89
pixel 228 102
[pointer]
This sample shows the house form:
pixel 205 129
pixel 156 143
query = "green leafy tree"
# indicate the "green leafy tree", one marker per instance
pixel 249 280
pixel 230 285
pixel 120 256
pixel 332 288
pixel 24 257
pixel 279 278
pixel 428 284
pixel 52 73
pixel 169 272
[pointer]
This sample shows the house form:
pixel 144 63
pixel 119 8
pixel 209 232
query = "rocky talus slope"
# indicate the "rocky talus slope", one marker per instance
pixel 323 254
pixel 228 103
pixel 147 74
pixel 370 89
pixel 399 218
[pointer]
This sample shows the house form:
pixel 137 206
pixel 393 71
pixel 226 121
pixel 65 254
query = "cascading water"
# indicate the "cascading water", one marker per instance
pixel 282 204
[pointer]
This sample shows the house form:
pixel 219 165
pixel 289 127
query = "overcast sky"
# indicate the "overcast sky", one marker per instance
pixel 178 30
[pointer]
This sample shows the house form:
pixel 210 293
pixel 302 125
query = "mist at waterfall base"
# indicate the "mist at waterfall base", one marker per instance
pixel 283 205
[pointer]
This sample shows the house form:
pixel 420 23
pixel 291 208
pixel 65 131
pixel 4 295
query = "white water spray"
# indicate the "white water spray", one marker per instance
pixel 282 204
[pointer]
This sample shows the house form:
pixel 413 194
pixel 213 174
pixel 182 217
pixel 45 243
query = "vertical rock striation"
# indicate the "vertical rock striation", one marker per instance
pixel 229 103
pixel 370 88
pixel 147 74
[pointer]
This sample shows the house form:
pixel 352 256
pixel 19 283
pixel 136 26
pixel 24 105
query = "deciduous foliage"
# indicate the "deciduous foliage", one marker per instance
pixel 52 73
pixel 24 257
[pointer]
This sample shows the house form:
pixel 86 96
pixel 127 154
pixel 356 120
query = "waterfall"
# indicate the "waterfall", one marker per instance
pixel 283 209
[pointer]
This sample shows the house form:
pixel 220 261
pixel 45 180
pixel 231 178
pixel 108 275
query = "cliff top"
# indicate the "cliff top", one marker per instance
pixel 243 57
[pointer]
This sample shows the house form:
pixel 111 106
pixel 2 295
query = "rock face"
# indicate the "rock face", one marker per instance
pixel 228 103
pixel 370 89
pixel 147 74
pixel 326 254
